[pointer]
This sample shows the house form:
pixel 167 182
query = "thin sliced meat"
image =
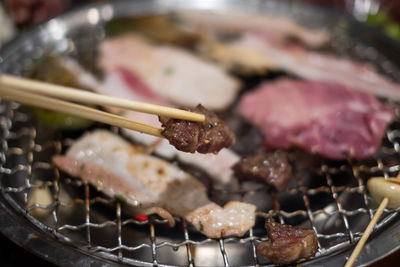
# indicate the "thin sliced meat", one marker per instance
pixel 277 27
pixel 287 243
pixel 312 65
pixel 170 72
pixel 218 166
pixel 116 167
pixel 325 118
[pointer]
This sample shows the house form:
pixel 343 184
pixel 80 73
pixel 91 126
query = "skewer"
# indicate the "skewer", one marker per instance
pixel 77 110
pixel 68 93
pixel 368 230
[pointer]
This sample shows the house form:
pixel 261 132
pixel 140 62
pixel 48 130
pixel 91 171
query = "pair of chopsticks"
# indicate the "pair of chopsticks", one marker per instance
pixel 52 97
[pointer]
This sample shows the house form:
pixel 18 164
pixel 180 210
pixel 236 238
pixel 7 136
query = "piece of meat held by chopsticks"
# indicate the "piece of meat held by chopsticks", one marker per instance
pixel 170 72
pixel 272 168
pixel 330 119
pixel 120 83
pixel 287 243
pixel 152 185
pixel 209 136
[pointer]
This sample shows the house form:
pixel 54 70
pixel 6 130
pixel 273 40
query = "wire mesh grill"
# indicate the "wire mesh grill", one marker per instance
pixel 27 169
pixel 337 207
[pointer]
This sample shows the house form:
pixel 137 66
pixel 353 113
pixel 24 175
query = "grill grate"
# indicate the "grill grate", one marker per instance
pixel 26 167
pixel 337 208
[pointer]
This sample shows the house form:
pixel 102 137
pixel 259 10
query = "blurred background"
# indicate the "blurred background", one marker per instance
pixel 17 16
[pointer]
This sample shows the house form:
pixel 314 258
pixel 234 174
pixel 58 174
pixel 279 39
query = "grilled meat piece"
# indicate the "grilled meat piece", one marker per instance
pixel 169 72
pixel 288 243
pixel 209 136
pixel 151 185
pixel 272 168
pixel 217 166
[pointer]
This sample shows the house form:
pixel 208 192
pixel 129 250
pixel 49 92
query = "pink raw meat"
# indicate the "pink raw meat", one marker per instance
pixel 331 119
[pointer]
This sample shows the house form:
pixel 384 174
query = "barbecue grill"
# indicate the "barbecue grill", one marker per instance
pixel 68 222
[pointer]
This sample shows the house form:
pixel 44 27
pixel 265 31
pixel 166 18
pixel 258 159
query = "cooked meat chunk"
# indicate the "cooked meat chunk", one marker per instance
pixel 209 136
pixel 272 168
pixel 288 243
pixel 151 185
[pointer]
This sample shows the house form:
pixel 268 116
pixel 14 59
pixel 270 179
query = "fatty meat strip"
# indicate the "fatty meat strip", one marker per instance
pixel 277 27
pixel 120 83
pixel 312 65
pixel 170 72
pixel 117 167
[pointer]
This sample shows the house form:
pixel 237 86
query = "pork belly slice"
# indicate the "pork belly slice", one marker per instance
pixel 209 136
pixel 287 243
pixel 312 65
pixel 152 185
pixel 330 119
pixel 272 168
pixel 170 72
pixel 122 84
pixel 278 27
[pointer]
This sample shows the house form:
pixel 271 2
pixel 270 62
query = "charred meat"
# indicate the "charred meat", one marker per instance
pixel 209 136
pixel 288 243
pixel 272 168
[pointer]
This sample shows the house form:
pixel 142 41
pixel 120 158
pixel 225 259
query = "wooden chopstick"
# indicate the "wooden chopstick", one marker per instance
pixel 76 110
pixel 68 93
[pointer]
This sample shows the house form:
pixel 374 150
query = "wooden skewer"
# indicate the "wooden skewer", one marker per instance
pixel 68 93
pixel 368 231
pixel 77 110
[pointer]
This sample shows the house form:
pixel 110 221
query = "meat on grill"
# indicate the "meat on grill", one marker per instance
pixel 266 53
pixel 152 185
pixel 169 72
pixel 330 119
pixel 123 82
pixel 277 27
pixel 272 168
pixel 209 136
pixel 287 243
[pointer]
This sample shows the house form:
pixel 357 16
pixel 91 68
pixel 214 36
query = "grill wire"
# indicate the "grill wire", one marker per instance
pixel 76 214
pixel 19 143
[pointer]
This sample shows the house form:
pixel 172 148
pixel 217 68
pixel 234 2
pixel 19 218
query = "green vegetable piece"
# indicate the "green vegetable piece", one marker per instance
pixel 60 121
pixel 201 226
pixel 168 71
pixel 393 30
pixel 378 19
pixel 120 198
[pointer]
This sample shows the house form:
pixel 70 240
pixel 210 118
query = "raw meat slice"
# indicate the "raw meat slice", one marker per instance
pixel 333 120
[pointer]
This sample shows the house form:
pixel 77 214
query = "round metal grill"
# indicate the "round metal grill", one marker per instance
pixel 332 199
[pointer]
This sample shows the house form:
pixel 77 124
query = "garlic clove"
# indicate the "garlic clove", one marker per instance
pixel 380 188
